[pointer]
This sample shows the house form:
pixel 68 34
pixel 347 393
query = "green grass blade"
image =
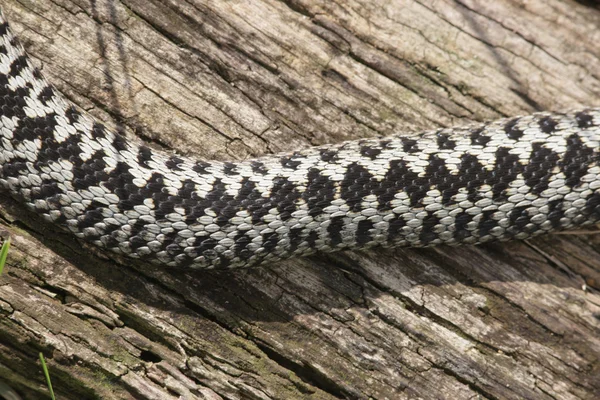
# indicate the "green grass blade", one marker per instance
pixel 4 254
pixel 47 374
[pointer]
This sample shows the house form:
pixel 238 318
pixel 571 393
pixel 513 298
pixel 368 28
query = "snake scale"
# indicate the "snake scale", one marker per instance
pixel 507 179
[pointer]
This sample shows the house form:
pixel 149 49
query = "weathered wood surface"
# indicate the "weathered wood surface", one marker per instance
pixel 231 79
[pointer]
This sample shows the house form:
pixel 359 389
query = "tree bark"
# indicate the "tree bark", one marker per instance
pixel 231 79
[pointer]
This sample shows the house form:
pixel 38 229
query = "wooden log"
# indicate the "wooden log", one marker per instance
pixel 240 78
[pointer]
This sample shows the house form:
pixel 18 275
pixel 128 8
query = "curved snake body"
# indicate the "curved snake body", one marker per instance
pixel 508 179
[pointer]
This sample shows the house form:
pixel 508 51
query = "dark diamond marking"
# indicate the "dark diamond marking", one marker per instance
pixel 363 234
pixel 444 142
pixel 319 193
pixel 370 152
pixel 328 155
pixel 409 146
pixel 548 125
pixel 478 138
pixel 200 167
pixel 335 230
pixel 358 183
pixel 511 129
pixel 18 65
pixel 538 171
pixel 576 161
pixel 259 168
pixel 144 155
pixel 173 163
pixel 584 120
pixel 290 162
pixel 98 131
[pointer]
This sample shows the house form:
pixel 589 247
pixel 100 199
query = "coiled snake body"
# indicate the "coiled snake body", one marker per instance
pixel 512 178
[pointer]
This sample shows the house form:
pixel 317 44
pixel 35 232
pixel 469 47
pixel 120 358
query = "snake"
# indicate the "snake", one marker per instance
pixel 513 178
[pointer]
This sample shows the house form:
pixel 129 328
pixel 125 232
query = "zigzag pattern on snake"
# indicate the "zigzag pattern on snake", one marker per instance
pixel 507 179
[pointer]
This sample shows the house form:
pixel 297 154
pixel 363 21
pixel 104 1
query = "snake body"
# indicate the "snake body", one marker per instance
pixel 507 179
